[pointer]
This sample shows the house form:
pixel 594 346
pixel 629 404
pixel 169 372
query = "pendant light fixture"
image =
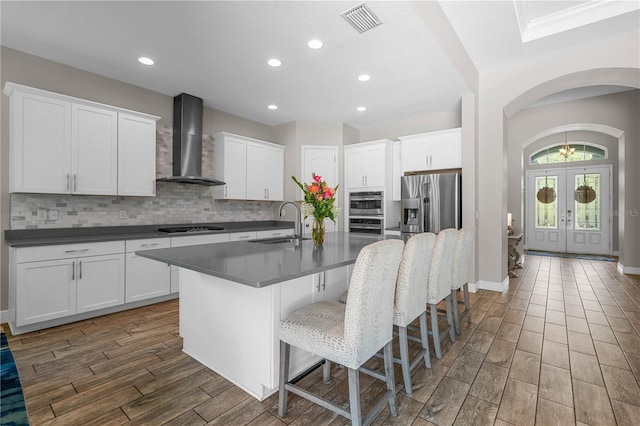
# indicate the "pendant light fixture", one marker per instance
pixel 546 194
pixel 566 150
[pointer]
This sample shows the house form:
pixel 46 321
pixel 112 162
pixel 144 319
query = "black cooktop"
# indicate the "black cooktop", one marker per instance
pixel 190 229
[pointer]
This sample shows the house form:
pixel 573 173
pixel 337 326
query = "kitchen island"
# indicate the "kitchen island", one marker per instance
pixel 233 296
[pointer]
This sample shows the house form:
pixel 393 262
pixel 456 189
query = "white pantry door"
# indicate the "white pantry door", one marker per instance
pixel 321 160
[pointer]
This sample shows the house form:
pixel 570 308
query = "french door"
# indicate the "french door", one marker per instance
pixel 567 210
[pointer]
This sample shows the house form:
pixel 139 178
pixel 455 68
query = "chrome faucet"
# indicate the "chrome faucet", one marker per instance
pixel 299 219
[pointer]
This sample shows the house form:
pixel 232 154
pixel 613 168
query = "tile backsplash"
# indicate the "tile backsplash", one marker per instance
pixel 173 203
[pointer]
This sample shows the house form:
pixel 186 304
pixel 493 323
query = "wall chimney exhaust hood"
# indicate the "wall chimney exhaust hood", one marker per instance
pixel 187 142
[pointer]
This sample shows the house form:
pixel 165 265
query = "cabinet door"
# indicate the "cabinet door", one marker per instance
pixel 45 290
pixel 375 165
pixel 274 169
pixel 242 236
pixel 146 278
pixel 100 282
pixel 94 150
pixel 445 150
pixel 256 171
pixel 396 171
pixel 415 155
pixel 234 167
pixel 354 168
pixel 136 155
pixel 40 144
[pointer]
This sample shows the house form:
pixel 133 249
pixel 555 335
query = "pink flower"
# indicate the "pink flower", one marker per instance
pixel 327 194
pixel 317 178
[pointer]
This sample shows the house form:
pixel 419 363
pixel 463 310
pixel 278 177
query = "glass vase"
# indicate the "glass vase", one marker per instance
pixel 317 232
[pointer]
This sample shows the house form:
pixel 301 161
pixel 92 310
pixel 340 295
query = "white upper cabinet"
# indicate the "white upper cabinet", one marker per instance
pixel 136 155
pixel 40 149
pixel 265 171
pixel 366 164
pixel 230 166
pixel 252 169
pixel 65 145
pixel 432 151
pixel 94 150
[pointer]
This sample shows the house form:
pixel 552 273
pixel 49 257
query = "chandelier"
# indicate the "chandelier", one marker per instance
pixel 566 150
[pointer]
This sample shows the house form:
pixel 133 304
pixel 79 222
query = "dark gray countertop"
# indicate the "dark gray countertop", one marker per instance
pixel 40 237
pixel 260 265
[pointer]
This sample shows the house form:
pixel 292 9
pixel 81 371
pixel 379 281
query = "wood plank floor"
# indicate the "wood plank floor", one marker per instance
pixel 561 346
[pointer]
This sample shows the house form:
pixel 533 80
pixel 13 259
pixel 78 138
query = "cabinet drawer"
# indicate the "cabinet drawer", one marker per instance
pixel 271 233
pixel 67 251
pixel 242 236
pixel 147 244
pixel 192 240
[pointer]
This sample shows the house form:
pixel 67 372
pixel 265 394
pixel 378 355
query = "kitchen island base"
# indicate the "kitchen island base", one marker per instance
pixel 234 329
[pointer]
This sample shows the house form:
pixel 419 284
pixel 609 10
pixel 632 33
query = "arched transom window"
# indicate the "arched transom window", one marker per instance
pixel 584 152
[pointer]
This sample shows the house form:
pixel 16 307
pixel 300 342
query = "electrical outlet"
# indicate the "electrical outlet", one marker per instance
pixel 123 214
pixel 53 214
pixel 42 214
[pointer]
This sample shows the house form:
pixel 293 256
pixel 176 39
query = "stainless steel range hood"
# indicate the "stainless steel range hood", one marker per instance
pixel 187 142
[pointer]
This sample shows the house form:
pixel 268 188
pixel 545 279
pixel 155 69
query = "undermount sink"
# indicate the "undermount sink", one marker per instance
pixel 278 240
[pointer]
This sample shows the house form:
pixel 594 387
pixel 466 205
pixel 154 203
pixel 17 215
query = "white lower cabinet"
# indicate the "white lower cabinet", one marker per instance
pixel 45 291
pixel 57 281
pixel 99 282
pixel 146 278
pixel 242 236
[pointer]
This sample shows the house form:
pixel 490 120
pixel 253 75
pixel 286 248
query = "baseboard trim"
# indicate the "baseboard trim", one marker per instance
pixel 489 285
pixel 628 269
pixel 4 317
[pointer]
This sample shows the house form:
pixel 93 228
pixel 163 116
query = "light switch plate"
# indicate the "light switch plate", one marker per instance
pixel 53 214
pixel 42 214
pixel 123 214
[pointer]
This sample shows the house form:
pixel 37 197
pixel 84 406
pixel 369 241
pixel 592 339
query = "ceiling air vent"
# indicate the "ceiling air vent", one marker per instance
pixel 361 18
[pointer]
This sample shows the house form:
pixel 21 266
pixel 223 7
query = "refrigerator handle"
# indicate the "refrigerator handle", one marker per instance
pixel 425 201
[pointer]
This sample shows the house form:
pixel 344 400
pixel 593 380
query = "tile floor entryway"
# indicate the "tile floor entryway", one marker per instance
pixel 561 346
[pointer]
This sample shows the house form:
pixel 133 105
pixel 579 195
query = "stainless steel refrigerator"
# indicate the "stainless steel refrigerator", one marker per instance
pixel 431 202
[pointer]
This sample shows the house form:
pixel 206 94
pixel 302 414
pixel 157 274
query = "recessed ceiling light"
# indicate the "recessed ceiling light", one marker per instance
pixel 146 61
pixel 273 106
pixel 315 44
pixel 360 109
pixel 274 62
pixel 364 77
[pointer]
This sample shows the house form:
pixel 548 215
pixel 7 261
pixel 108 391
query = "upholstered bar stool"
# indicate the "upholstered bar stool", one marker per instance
pixel 439 285
pixel 349 334
pixel 411 302
pixel 460 280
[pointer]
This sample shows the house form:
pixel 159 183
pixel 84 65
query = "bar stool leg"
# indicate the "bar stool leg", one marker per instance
pixel 456 314
pixel 326 371
pixel 404 359
pixel 448 304
pixel 354 397
pixel 425 339
pixel 467 305
pixel 388 371
pixel 435 331
pixel 285 351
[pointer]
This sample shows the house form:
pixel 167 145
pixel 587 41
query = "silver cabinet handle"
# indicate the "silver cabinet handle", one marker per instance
pixel 76 251
pixel 268 195
pixel 80 270
pixel 68 183
pixel 244 237
pixel 150 245
pixel 323 282
pixel 75 182
pixel 275 234
pixel 73 270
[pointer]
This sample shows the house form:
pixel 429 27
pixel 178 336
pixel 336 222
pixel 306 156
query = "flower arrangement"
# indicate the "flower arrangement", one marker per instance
pixel 319 199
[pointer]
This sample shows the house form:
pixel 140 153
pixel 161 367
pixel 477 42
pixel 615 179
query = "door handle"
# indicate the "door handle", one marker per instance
pixel 75 182
pixel 73 270
pixel 80 270
pixel 68 183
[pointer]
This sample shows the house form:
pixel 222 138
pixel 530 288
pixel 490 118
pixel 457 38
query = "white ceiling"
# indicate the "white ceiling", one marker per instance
pixel 218 50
